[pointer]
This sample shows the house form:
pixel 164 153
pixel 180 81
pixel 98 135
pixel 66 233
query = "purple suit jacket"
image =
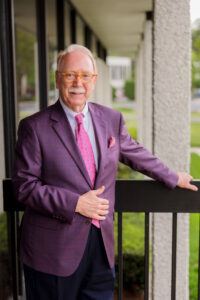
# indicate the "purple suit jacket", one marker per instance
pixel 49 175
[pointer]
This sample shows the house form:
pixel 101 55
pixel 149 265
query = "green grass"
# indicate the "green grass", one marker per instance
pixel 125 110
pixel 195 134
pixel 194 251
pixel 194 234
pixel 195 114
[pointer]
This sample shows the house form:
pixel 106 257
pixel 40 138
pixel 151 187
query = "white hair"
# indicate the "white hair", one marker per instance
pixel 73 48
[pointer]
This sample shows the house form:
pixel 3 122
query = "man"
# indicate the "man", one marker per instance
pixel 65 166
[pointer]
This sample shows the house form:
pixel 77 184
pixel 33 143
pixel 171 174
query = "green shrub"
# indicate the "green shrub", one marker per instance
pixel 133 272
pixel 113 93
pixel 129 89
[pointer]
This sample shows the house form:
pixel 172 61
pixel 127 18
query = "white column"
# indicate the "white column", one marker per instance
pixel 171 69
pixel 139 79
pixel 102 92
pixel 143 88
pixel 147 86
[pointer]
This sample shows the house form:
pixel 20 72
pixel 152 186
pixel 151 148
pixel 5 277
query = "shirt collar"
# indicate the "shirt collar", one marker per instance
pixel 72 113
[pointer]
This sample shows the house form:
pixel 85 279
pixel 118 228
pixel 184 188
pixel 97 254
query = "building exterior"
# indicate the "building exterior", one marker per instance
pixel 156 34
pixel 120 71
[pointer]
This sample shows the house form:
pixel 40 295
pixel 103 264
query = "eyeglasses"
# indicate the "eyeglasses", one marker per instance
pixel 70 76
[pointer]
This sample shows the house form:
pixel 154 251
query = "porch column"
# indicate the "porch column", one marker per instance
pixel 102 91
pixel 139 91
pixel 171 134
pixel 144 87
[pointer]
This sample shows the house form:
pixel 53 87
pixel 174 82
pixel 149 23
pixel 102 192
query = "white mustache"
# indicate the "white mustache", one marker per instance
pixel 79 90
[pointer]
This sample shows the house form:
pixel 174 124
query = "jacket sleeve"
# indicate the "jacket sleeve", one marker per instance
pixel 28 185
pixel 140 159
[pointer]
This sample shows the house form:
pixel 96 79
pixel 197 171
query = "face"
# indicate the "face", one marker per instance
pixel 75 93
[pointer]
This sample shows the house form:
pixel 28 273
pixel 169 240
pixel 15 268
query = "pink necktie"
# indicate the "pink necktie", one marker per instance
pixel 86 152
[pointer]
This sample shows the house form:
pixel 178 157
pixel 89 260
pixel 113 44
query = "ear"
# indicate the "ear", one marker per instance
pixel 95 79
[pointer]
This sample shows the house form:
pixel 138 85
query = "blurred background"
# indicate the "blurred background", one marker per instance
pixel 148 60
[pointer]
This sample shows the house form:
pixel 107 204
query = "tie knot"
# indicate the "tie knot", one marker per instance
pixel 79 119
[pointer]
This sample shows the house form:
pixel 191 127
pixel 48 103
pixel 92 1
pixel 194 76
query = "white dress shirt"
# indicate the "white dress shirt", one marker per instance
pixel 87 124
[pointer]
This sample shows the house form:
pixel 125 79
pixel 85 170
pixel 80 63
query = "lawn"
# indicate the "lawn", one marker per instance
pixel 195 134
pixel 195 114
pixel 194 234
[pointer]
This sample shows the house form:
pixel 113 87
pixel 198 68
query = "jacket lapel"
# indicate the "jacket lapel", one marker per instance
pixel 101 138
pixel 63 130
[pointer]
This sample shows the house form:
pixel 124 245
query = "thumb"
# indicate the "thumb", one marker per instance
pixel 99 191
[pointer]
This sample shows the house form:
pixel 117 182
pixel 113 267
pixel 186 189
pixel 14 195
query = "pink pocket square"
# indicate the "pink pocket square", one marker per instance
pixel 111 142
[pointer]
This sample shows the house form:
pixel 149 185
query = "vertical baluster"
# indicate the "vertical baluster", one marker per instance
pixel 120 258
pixel 174 244
pixel 146 263
pixel 199 266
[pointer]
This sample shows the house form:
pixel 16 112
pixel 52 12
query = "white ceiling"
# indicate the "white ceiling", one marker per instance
pixel 119 24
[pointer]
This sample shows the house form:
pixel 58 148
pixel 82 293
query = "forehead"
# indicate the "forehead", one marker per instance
pixel 76 61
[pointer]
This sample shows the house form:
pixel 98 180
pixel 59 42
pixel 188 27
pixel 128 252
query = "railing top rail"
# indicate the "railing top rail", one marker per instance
pixel 134 196
pixel 153 196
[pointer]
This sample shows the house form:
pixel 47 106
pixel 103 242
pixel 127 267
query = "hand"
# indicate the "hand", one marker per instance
pixel 90 205
pixel 184 180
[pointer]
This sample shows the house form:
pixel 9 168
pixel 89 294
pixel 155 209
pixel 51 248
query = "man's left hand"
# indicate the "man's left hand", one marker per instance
pixel 184 180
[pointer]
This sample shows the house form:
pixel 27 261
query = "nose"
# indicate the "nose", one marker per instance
pixel 77 81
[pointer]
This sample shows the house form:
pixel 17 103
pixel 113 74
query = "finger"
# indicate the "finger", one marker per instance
pixel 192 187
pixel 99 191
pixel 98 217
pixel 102 212
pixel 103 201
pixel 104 206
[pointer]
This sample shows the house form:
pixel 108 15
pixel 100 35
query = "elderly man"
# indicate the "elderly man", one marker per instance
pixel 65 167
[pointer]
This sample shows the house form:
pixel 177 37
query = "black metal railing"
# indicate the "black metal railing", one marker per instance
pixel 131 196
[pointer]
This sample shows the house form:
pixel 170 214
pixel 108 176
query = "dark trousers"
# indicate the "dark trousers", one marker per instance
pixel 93 279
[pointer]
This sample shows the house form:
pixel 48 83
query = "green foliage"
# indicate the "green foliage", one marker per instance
pixel 195 134
pixel 195 165
pixel 129 89
pixel 113 93
pixel 194 254
pixel 3 233
pixel 196 56
pixel 194 234
pixel 133 271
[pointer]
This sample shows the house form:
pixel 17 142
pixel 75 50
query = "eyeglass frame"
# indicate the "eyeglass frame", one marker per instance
pixel 77 74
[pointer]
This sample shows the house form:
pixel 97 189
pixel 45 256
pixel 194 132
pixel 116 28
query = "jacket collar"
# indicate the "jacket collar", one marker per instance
pixel 63 130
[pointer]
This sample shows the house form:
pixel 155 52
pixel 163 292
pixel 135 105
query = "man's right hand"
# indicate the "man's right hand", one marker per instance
pixel 90 205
